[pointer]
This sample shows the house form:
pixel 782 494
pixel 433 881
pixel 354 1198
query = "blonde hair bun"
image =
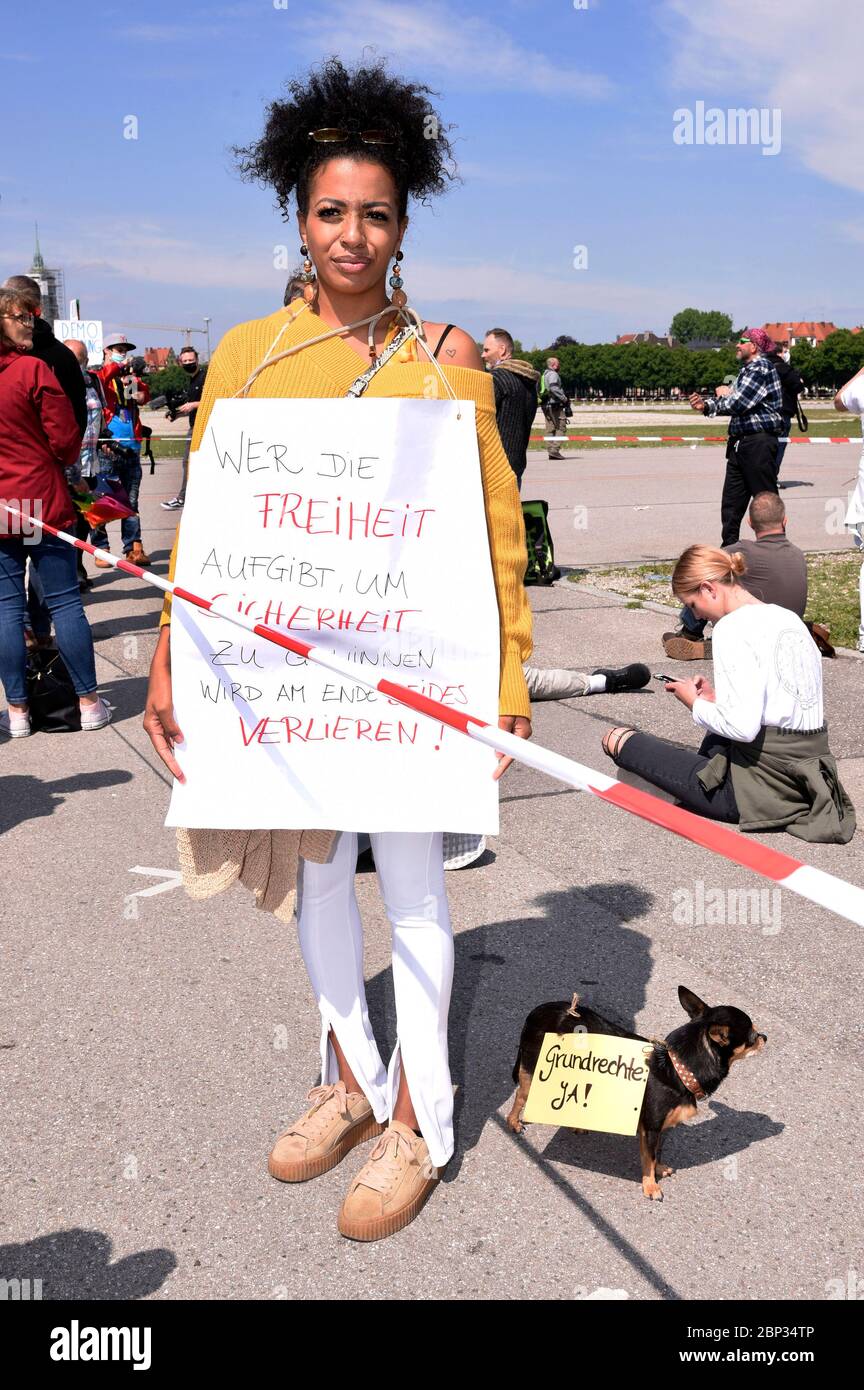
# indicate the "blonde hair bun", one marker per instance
pixel 706 564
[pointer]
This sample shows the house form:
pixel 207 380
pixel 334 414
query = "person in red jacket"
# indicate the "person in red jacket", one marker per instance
pixel 39 438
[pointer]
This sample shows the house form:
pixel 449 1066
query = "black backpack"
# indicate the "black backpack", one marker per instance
pixel 791 385
pixel 541 552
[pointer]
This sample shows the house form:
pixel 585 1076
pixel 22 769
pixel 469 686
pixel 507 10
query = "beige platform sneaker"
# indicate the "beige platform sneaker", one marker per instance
pixel 391 1188
pixel 335 1123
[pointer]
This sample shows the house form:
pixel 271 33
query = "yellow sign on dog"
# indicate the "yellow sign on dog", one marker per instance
pixel 589 1081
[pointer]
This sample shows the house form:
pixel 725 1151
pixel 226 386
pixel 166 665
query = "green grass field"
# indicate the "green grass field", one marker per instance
pixel 171 448
pixel 825 423
pixel 832 589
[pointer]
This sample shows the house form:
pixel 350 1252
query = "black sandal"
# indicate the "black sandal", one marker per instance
pixel 614 745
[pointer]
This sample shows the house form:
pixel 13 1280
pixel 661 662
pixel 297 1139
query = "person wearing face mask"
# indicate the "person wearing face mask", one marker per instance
pixel 764 763
pixel 197 376
pixel 124 393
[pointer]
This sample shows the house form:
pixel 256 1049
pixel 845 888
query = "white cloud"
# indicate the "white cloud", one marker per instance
pixel 152 256
pixel 802 57
pixel 483 286
pixel 487 283
pixel 444 40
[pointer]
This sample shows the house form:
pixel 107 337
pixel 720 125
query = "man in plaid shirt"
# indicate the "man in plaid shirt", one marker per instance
pixel 754 406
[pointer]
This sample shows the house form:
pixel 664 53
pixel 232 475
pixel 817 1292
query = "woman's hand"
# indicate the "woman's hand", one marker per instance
pixel 685 691
pixel 513 724
pixel 159 722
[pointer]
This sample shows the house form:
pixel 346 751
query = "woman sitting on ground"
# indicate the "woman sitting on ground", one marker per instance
pixel 764 762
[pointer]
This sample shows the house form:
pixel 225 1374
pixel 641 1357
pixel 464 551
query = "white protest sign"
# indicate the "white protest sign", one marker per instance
pixel 358 525
pixel 89 331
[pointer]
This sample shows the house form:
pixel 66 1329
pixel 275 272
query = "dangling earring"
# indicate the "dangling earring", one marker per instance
pixel 398 298
pixel 310 281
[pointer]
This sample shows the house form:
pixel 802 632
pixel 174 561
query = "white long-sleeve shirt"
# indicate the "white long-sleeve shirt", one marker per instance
pixel 853 399
pixel 767 670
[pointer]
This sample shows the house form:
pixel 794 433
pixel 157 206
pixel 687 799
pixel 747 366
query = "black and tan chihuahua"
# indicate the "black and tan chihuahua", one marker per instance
pixel 690 1065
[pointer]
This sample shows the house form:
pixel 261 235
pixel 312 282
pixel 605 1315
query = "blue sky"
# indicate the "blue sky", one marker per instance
pixel 565 123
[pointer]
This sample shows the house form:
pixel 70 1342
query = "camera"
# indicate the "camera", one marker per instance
pixel 171 400
pixel 174 398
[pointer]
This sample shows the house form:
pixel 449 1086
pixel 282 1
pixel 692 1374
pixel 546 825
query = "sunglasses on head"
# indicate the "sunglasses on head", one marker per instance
pixel 334 135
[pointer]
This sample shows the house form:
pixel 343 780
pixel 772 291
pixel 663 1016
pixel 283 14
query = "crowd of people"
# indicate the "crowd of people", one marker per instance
pixel 69 433
pixel 764 762
pixel 44 418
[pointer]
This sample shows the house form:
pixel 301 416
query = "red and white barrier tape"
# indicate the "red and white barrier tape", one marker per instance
pixel 675 439
pixel 844 899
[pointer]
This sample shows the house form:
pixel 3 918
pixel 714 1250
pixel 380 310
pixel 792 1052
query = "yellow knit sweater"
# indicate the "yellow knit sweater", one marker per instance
pixel 328 369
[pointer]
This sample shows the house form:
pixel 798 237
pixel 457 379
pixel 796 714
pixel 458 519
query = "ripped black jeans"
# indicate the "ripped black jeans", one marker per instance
pixel 674 770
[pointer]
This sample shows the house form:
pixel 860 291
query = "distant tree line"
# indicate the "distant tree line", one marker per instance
pixel 616 368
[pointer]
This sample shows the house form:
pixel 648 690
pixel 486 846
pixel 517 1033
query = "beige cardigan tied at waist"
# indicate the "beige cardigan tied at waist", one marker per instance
pixel 265 861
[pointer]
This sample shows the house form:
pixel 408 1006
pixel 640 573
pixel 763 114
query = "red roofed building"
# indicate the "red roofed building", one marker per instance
pixel 646 337
pixel 791 334
pixel 157 358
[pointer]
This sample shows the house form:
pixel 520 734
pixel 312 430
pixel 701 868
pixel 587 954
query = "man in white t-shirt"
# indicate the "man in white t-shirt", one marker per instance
pixel 851 398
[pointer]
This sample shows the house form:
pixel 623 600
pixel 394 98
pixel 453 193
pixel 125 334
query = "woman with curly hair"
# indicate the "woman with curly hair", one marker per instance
pixel 351 148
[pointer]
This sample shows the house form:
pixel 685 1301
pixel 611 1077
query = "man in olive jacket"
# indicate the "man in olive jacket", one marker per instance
pixel 515 386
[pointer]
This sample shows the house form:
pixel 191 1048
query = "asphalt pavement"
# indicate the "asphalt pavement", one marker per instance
pixel 153 1047
pixel 634 505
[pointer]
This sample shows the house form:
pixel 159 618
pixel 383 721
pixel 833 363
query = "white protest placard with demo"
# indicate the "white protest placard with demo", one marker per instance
pixel 360 527
pixel 88 331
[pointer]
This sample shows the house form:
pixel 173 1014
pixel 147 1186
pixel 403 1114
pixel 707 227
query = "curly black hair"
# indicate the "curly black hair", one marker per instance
pixel 366 98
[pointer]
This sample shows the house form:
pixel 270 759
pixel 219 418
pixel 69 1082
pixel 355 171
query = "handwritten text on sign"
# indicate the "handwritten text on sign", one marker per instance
pixel 88 331
pixel 360 527
pixel 589 1081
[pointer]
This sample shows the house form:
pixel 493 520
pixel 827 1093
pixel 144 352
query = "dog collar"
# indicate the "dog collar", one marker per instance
pixel 685 1075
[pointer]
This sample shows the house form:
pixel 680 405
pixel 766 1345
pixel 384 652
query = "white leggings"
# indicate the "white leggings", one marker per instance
pixel 410 871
